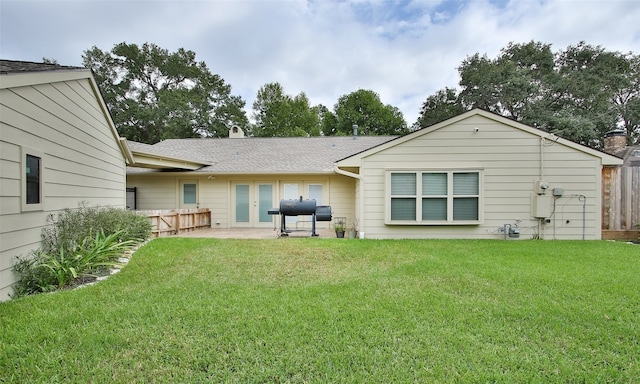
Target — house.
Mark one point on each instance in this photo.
(239, 178)
(477, 175)
(58, 147)
(480, 175)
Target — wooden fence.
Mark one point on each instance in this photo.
(176, 221)
(620, 202)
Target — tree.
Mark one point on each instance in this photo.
(443, 105)
(47, 60)
(154, 95)
(277, 114)
(626, 101)
(584, 93)
(578, 93)
(510, 85)
(364, 109)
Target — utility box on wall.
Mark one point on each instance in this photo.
(541, 206)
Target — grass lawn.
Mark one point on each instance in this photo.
(335, 310)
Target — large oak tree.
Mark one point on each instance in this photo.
(578, 93)
(154, 94)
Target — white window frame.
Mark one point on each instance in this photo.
(419, 196)
(24, 152)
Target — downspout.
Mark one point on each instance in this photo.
(360, 179)
(540, 220)
(542, 158)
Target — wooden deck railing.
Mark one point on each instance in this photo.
(176, 221)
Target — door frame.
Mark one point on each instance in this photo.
(254, 203)
(181, 203)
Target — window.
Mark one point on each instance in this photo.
(189, 193)
(434, 197)
(188, 197)
(32, 170)
(33, 179)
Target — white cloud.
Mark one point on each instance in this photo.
(405, 50)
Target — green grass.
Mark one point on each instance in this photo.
(329, 310)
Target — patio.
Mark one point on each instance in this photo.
(252, 233)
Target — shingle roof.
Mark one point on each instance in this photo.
(255, 155)
(631, 156)
(13, 66)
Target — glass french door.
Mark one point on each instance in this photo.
(251, 203)
(309, 191)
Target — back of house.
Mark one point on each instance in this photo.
(58, 148)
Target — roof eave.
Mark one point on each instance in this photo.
(26, 78)
(355, 160)
(150, 160)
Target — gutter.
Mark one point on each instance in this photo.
(361, 198)
(126, 150)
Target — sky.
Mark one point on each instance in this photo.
(404, 51)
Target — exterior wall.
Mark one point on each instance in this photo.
(62, 123)
(161, 191)
(510, 163)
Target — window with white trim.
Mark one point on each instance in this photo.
(32, 180)
(434, 197)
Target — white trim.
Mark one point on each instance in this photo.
(24, 152)
(355, 159)
(418, 197)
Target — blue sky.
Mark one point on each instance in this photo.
(403, 50)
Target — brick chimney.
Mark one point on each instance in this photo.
(615, 141)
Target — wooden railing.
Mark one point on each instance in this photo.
(176, 221)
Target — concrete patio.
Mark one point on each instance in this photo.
(253, 233)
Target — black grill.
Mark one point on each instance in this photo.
(301, 208)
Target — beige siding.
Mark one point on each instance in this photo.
(161, 191)
(510, 161)
(81, 160)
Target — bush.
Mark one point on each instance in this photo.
(92, 255)
(33, 278)
(72, 226)
(79, 244)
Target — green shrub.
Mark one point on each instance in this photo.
(94, 254)
(72, 226)
(79, 244)
(33, 278)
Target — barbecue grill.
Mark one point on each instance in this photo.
(300, 207)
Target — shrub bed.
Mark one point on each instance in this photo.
(79, 244)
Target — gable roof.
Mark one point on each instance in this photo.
(354, 160)
(262, 155)
(631, 156)
(25, 73)
(14, 66)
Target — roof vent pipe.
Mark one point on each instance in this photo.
(355, 131)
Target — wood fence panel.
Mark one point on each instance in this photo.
(176, 221)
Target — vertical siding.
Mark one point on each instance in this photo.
(81, 161)
(510, 161)
(610, 198)
(629, 197)
(621, 198)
